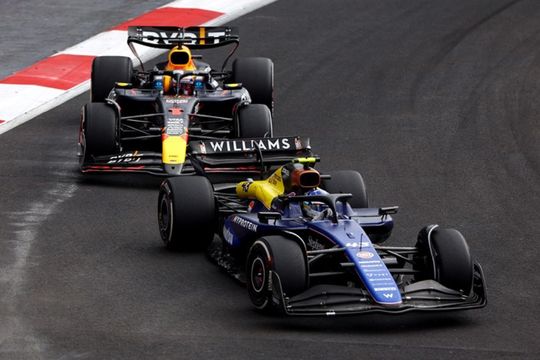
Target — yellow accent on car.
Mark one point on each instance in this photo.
(263, 190)
(174, 149)
(202, 35)
(305, 160)
(167, 80)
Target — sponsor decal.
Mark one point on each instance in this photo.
(245, 224)
(298, 143)
(229, 237)
(246, 185)
(274, 179)
(364, 255)
(357, 244)
(370, 265)
(124, 158)
(175, 126)
(247, 145)
(378, 274)
(177, 101)
(165, 37)
(314, 244)
(388, 296)
(393, 288)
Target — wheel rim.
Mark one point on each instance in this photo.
(165, 212)
(258, 275)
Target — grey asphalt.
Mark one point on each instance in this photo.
(435, 102)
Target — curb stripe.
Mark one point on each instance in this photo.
(62, 71)
(170, 16)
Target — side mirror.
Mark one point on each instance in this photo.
(388, 210)
(264, 216)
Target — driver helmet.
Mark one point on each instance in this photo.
(187, 86)
(312, 209)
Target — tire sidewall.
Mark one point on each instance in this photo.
(260, 295)
(165, 213)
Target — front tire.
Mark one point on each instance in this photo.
(448, 259)
(186, 213)
(254, 121)
(100, 123)
(275, 254)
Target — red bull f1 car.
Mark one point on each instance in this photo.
(308, 244)
(142, 121)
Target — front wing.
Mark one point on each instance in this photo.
(427, 295)
(224, 156)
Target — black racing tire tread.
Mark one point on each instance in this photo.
(348, 181)
(453, 261)
(254, 121)
(193, 213)
(256, 75)
(106, 71)
(100, 129)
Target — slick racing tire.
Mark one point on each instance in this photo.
(281, 256)
(256, 75)
(100, 122)
(448, 259)
(106, 71)
(347, 181)
(254, 121)
(186, 213)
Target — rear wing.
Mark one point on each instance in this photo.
(243, 154)
(195, 37)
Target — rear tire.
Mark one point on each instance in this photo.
(106, 71)
(449, 260)
(100, 129)
(256, 75)
(254, 121)
(282, 256)
(348, 181)
(186, 213)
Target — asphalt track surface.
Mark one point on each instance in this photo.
(435, 102)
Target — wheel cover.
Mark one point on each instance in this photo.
(258, 275)
(165, 216)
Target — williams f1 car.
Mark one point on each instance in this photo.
(141, 121)
(308, 244)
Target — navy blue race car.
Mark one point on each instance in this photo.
(308, 244)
